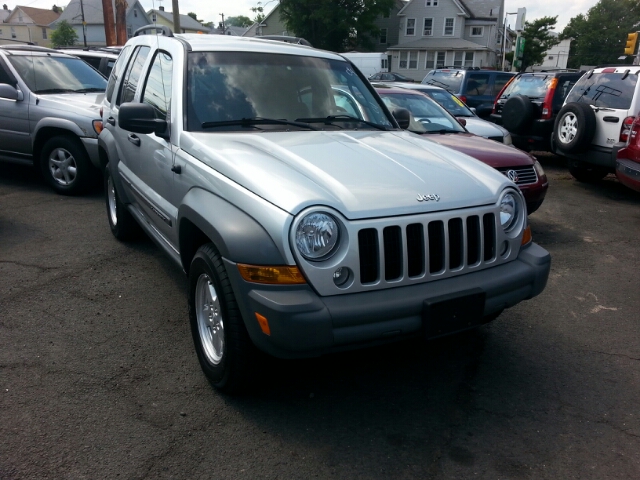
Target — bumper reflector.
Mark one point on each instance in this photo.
(264, 324)
(280, 275)
(526, 236)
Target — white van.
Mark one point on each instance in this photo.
(369, 63)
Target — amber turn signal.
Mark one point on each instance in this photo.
(526, 236)
(280, 275)
(264, 324)
(97, 126)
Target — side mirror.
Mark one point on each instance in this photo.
(9, 92)
(403, 117)
(141, 118)
(462, 121)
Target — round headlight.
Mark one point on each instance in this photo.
(317, 236)
(508, 211)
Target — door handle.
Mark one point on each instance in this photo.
(611, 119)
(111, 121)
(176, 169)
(134, 139)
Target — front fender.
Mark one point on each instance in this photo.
(63, 124)
(238, 237)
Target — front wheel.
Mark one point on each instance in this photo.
(225, 351)
(65, 165)
(122, 224)
(587, 173)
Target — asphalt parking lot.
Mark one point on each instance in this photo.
(98, 377)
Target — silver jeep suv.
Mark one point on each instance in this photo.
(303, 230)
(50, 114)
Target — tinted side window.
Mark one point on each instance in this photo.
(117, 71)
(609, 90)
(477, 84)
(564, 86)
(4, 76)
(93, 61)
(157, 90)
(132, 76)
(500, 81)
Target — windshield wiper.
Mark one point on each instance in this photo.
(252, 122)
(89, 90)
(342, 118)
(55, 90)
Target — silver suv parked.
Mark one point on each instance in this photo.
(303, 230)
(596, 119)
(49, 114)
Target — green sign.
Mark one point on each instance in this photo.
(520, 47)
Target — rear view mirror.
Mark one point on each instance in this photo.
(9, 92)
(462, 121)
(403, 117)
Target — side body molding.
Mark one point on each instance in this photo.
(237, 236)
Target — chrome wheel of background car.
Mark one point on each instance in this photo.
(111, 202)
(568, 128)
(62, 166)
(210, 321)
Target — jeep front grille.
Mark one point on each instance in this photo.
(430, 248)
(526, 175)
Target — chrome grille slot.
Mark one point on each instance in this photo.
(436, 247)
(489, 236)
(415, 249)
(368, 244)
(474, 241)
(526, 175)
(392, 253)
(456, 243)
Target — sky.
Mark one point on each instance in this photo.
(211, 9)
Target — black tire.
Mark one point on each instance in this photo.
(583, 172)
(574, 127)
(121, 222)
(517, 114)
(65, 165)
(225, 351)
(533, 206)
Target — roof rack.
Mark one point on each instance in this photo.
(166, 31)
(285, 38)
(29, 48)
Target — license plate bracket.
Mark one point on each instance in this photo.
(454, 312)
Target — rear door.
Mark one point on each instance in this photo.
(610, 93)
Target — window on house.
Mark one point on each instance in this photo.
(550, 57)
(13, 32)
(383, 35)
(20, 18)
(404, 56)
(440, 59)
(411, 26)
(463, 59)
(154, 18)
(44, 33)
(431, 3)
(477, 31)
(428, 27)
(468, 59)
(413, 60)
(430, 60)
(448, 26)
(129, 31)
(0, 31)
(135, 12)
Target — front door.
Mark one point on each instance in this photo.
(15, 139)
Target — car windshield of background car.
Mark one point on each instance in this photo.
(452, 103)
(449, 80)
(227, 87)
(605, 90)
(431, 116)
(529, 85)
(46, 74)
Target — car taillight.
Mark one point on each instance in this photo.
(633, 133)
(463, 98)
(495, 100)
(626, 129)
(547, 105)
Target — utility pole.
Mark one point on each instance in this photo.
(84, 25)
(121, 22)
(176, 17)
(109, 24)
(222, 24)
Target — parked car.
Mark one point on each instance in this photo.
(432, 120)
(476, 88)
(390, 77)
(50, 115)
(458, 109)
(303, 230)
(102, 59)
(528, 106)
(628, 161)
(595, 121)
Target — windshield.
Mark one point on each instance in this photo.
(452, 103)
(449, 80)
(47, 74)
(532, 86)
(426, 115)
(605, 90)
(225, 89)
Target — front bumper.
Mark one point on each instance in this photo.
(628, 173)
(304, 324)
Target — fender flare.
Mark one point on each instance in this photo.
(62, 124)
(237, 236)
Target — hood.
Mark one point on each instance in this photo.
(362, 174)
(494, 154)
(483, 128)
(85, 104)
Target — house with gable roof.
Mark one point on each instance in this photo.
(187, 24)
(94, 20)
(27, 24)
(455, 33)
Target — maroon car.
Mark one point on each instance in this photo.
(628, 161)
(429, 118)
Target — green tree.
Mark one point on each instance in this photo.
(538, 39)
(64, 35)
(335, 25)
(194, 16)
(259, 11)
(239, 21)
(599, 36)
